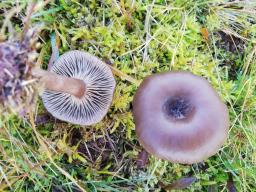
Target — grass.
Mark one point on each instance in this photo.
(214, 39)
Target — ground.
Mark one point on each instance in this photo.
(214, 39)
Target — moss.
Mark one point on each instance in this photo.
(137, 38)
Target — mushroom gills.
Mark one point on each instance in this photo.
(91, 87)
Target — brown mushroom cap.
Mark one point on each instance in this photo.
(179, 117)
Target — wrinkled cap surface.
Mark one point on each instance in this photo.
(179, 117)
(100, 85)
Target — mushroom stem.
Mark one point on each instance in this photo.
(58, 83)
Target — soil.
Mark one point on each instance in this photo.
(107, 150)
(233, 45)
(46, 117)
(229, 42)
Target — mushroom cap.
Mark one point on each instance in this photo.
(100, 85)
(179, 117)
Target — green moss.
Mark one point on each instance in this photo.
(138, 38)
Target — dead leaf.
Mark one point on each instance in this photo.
(180, 184)
(142, 159)
(205, 34)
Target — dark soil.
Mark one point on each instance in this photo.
(229, 42)
(234, 47)
(107, 150)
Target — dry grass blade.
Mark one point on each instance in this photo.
(48, 153)
(30, 10)
(249, 60)
(124, 76)
(5, 177)
(13, 11)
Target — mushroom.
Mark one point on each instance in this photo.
(179, 117)
(78, 88)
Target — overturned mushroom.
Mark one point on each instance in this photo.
(78, 88)
(179, 117)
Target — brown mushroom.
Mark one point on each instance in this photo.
(78, 88)
(179, 117)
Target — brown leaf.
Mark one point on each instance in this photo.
(180, 184)
(142, 159)
(205, 34)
